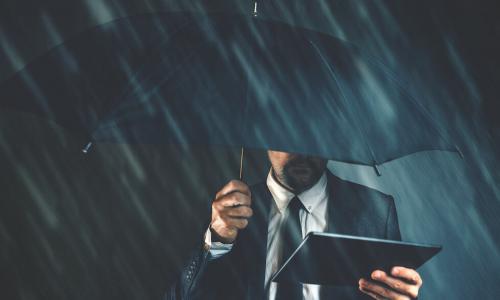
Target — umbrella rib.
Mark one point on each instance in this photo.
(334, 76)
(124, 110)
(418, 105)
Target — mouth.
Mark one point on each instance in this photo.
(302, 164)
(301, 170)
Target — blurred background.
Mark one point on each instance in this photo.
(118, 222)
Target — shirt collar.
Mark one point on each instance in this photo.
(310, 198)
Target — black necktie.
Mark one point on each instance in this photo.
(291, 236)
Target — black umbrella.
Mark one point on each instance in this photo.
(239, 81)
(226, 80)
(78, 82)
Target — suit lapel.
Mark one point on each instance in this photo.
(334, 215)
(340, 219)
(254, 242)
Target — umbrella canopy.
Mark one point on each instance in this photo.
(80, 81)
(239, 81)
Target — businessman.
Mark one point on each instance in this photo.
(253, 229)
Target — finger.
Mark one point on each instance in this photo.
(381, 291)
(395, 283)
(408, 274)
(236, 199)
(232, 186)
(238, 223)
(238, 212)
(233, 199)
(226, 234)
(374, 296)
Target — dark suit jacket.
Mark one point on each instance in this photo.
(352, 209)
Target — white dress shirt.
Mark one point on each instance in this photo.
(312, 218)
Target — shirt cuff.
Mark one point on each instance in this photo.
(216, 249)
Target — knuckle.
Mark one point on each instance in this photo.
(244, 199)
(229, 200)
(242, 211)
(239, 198)
(219, 198)
(414, 293)
(236, 196)
(216, 206)
(249, 211)
(232, 183)
(230, 196)
(385, 292)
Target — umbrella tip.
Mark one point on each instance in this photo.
(377, 171)
(254, 9)
(87, 147)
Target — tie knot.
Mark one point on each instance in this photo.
(295, 204)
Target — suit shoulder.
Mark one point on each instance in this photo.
(370, 190)
(365, 192)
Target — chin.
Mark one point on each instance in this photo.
(303, 182)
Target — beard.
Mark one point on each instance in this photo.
(302, 172)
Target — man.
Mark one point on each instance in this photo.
(248, 237)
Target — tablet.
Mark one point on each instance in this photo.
(336, 259)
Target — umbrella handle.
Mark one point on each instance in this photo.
(241, 163)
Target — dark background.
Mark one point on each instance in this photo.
(118, 223)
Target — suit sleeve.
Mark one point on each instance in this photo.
(189, 275)
(217, 249)
(392, 225)
(201, 276)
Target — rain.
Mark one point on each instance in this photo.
(119, 220)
